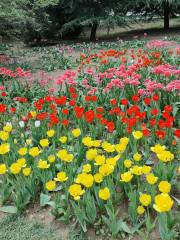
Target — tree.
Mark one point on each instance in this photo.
(151, 8)
(10, 17)
(54, 19)
(169, 8)
(91, 13)
(166, 14)
(19, 17)
(44, 19)
(166, 8)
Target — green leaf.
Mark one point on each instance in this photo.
(90, 208)
(176, 108)
(125, 227)
(51, 203)
(114, 225)
(80, 215)
(8, 209)
(44, 199)
(165, 232)
(106, 221)
(136, 227)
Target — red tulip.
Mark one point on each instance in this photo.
(177, 133)
(124, 102)
(155, 98)
(147, 101)
(160, 133)
(65, 122)
(89, 116)
(2, 108)
(135, 98)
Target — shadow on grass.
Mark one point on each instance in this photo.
(153, 29)
(151, 32)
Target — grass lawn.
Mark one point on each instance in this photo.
(153, 28)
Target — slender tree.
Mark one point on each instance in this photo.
(166, 9)
(151, 8)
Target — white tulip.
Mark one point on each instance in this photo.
(21, 124)
(37, 123)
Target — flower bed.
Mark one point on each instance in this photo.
(108, 135)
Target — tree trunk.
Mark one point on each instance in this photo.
(93, 31)
(166, 14)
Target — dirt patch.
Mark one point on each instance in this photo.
(44, 216)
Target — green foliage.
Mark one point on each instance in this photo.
(148, 9)
(132, 207)
(45, 200)
(114, 224)
(5, 192)
(90, 208)
(77, 234)
(10, 18)
(41, 19)
(62, 210)
(9, 209)
(35, 92)
(52, 59)
(80, 216)
(166, 223)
